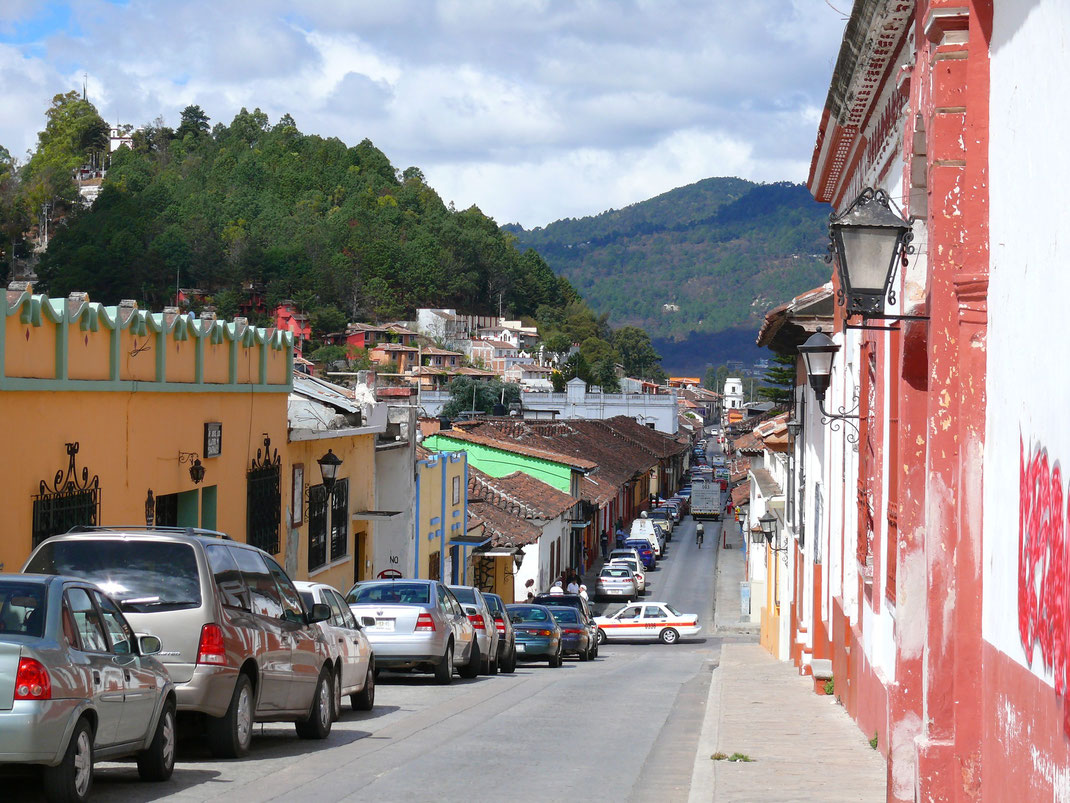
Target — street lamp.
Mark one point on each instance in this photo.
(768, 523)
(518, 557)
(794, 428)
(867, 241)
(818, 351)
(329, 464)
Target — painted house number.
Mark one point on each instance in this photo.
(213, 439)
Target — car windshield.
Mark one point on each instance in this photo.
(464, 594)
(22, 608)
(624, 562)
(406, 593)
(615, 573)
(565, 616)
(672, 610)
(528, 613)
(141, 575)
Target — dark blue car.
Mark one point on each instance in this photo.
(646, 552)
(538, 636)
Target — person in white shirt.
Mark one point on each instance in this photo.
(573, 586)
(583, 592)
(556, 588)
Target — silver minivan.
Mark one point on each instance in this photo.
(238, 641)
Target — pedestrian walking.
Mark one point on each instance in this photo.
(603, 540)
(620, 537)
(529, 588)
(573, 585)
(583, 592)
(556, 589)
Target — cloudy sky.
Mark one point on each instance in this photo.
(533, 110)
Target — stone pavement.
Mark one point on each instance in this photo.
(803, 746)
(730, 573)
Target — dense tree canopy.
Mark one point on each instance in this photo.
(307, 217)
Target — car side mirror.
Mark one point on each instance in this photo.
(367, 621)
(148, 645)
(319, 613)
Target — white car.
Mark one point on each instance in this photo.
(351, 654)
(635, 566)
(647, 620)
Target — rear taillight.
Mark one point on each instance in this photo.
(500, 623)
(32, 681)
(572, 630)
(477, 621)
(424, 622)
(544, 632)
(211, 649)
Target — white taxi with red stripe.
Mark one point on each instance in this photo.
(647, 620)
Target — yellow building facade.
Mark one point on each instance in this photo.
(441, 516)
(119, 417)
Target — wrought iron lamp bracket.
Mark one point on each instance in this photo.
(835, 421)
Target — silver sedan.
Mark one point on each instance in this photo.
(77, 685)
(419, 624)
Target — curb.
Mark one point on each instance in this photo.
(704, 770)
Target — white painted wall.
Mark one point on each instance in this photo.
(1027, 384)
(395, 489)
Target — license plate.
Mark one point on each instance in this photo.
(384, 625)
(519, 647)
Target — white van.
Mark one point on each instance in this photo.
(645, 529)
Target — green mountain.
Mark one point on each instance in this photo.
(697, 267)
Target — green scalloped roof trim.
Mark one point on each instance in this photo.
(34, 308)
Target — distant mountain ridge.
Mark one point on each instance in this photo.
(696, 265)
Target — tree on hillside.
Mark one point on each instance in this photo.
(471, 394)
(13, 215)
(636, 352)
(780, 378)
(715, 378)
(194, 121)
(74, 135)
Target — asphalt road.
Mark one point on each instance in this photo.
(623, 727)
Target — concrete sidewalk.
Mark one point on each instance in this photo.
(731, 571)
(802, 746)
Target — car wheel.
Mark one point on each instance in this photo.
(669, 636)
(601, 636)
(471, 669)
(444, 670)
(230, 735)
(585, 654)
(557, 660)
(493, 670)
(317, 725)
(365, 699)
(158, 762)
(72, 779)
(336, 712)
(509, 664)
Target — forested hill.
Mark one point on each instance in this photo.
(337, 228)
(695, 264)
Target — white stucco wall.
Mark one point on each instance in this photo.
(395, 489)
(1027, 384)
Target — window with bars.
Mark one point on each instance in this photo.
(340, 520)
(264, 504)
(317, 527)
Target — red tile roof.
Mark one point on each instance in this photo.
(520, 493)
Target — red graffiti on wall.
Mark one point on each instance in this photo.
(1044, 568)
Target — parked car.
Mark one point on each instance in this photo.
(419, 625)
(577, 602)
(616, 582)
(482, 619)
(645, 551)
(643, 528)
(240, 645)
(78, 686)
(507, 639)
(627, 552)
(538, 636)
(648, 620)
(575, 637)
(350, 650)
(633, 564)
(663, 514)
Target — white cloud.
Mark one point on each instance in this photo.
(532, 109)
